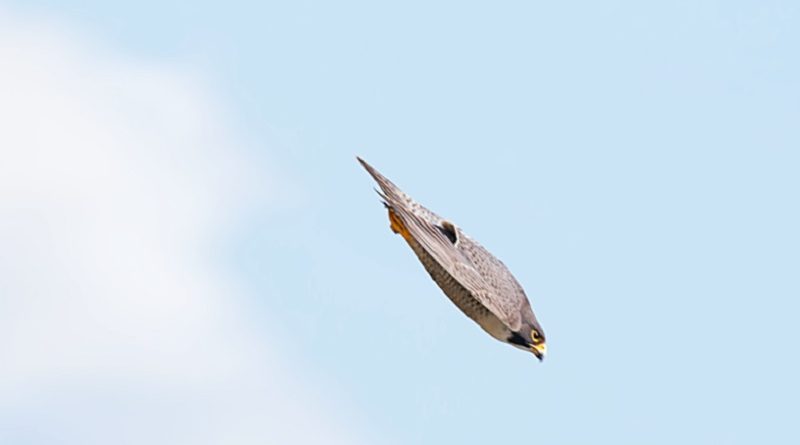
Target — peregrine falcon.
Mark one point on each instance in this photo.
(479, 284)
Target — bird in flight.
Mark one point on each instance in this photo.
(479, 284)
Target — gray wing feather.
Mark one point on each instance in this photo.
(498, 277)
(458, 265)
(392, 194)
(467, 262)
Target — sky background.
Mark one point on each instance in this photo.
(189, 252)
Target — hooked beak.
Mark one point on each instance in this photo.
(539, 350)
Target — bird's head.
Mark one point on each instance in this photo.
(530, 338)
(537, 345)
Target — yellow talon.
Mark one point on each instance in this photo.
(397, 225)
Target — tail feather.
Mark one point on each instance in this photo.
(391, 193)
(394, 197)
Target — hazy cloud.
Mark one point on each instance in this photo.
(115, 324)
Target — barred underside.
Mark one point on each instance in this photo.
(459, 295)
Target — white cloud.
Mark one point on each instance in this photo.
(115, 324)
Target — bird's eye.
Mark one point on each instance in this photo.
(535, 335)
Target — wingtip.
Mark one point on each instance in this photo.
(390, 192)
(370, 169)
(381, 194)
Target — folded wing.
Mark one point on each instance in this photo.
(431, 233)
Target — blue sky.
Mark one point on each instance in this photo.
(634, 164)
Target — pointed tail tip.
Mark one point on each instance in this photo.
(366, 165)
(362, 161)
(388, 191)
